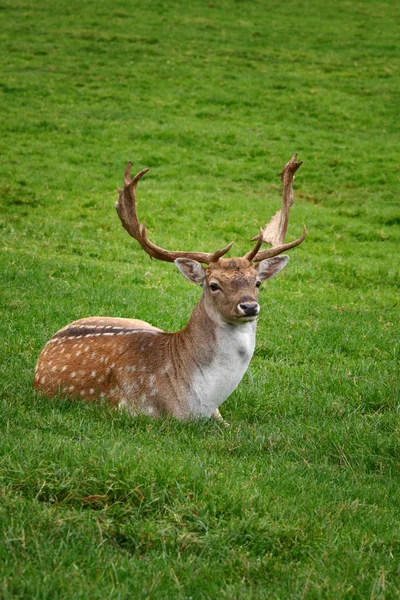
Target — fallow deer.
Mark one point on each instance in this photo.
(187, 374)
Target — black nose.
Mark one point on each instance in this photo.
(250, 309)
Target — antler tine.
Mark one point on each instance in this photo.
(126, 209)
(274, 231)
(127, 173)
(253, 253)
(126, 205)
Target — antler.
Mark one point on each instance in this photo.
(274, 232)
(126, 209)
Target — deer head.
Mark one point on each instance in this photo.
(230, 285)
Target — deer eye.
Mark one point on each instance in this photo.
(258, 284)
(214, 287)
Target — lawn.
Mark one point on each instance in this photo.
(299, 497)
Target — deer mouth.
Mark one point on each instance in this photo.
(246, 318)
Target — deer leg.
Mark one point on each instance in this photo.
(216, 415)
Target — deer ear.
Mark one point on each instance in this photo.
(191, 269)
(270, 267)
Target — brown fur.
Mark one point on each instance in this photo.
(120, 360)
(131, 363)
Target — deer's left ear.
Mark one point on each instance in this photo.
(191, 269)
(270, 267)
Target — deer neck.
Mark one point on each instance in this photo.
(216, 355)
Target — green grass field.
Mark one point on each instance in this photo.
(299, 498)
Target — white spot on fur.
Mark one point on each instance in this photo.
(166, 368)
(73, 374)
(93, 374)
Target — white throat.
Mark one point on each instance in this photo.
(214, 383)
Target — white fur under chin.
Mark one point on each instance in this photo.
(213, 384)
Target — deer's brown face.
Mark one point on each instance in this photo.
(231, 284)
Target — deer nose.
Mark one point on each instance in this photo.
(250, 308)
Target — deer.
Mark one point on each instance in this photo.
(187, 374)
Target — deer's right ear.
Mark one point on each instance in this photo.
(192, 270)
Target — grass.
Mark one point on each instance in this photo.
(299, 497)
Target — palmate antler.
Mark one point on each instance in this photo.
(274, 232)
(126, 209)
